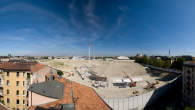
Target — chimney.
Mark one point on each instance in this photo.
(51, 77)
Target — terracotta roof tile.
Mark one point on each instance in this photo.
(16, 66)
(37, 67)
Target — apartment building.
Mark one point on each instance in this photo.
(188, 77)
(15, 78)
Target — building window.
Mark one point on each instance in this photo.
(7, 73)
(8, 83)
(27, 95)
(17, 92)
(23, 102)
(17, 83)
(7, 91)
(17, 74)
(28, 75)
(17, 101)
(0, 82)
(8, 100)
(23, 92)
(23, 83)
(27, 103)
(23, 74)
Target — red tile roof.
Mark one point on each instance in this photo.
(16, 66)
(21, 66)
(3, 107)
(37, 67)
(85, 98)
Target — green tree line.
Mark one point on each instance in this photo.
(177, 64)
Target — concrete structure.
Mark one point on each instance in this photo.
(122, 58)
(141, 101)
(188, 76)
(139, 55)
(39, 71)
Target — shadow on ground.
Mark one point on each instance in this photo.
(164, 76)
(166, 97)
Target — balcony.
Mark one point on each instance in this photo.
(1, 92)
(1, 84)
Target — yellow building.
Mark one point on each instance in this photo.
(16, 78)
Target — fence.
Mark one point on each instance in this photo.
(143, 100)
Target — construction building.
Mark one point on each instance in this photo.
(188, 76)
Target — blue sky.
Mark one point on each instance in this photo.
(113, 27)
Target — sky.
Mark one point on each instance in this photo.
(112, 27)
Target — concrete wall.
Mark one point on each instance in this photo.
(39, 99)
(39, 76)
(141, 101)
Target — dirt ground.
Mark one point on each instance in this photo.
(112, 70)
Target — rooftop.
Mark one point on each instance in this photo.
(189, 63)
(16, 66)
(82, 97)
(52, 88)
(21, 66)
(37, 67)
(3, 107)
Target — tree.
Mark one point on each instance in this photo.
(158, 63)
(167, 64)
(189, 108)
(59, 72)
(178, 64)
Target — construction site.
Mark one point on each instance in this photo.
(116, 78)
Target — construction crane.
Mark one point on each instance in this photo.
(132, 84)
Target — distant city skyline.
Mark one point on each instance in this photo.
(112, 27)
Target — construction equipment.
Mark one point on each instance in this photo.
(150, 85)
(136, 92)
(132, 84)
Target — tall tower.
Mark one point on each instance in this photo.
(89, 46)
(169, 53)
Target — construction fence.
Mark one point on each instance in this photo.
(143, 100)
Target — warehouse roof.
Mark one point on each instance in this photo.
(52, 88)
